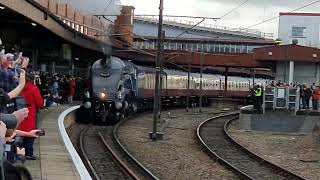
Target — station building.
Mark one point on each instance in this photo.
(220, 47)
(292, 63)
(297, 59)
(301, 26)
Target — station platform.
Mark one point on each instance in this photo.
(53, 161)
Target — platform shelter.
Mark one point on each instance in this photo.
(292, 63)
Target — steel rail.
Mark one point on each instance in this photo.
(84, 154)
(277, 169)
(147, 173)
(214, 154)
(226, 126)
(118, 160)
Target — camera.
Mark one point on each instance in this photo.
(41, 133)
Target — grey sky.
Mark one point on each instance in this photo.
(252, 12)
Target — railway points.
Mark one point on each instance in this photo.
(297, 153)
(215, 137)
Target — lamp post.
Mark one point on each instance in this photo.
(154, 135)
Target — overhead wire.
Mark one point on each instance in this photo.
(232, 10)
(108, 6)
(188, 29)
(270, 19)
(140, 50)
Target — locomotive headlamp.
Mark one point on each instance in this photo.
(103, 96)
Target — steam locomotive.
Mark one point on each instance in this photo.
(119, 87)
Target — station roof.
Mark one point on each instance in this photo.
(298, 14)
(287, 53)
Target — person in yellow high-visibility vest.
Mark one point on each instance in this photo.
(258, 97)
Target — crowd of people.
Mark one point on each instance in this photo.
(23, 93)
(309, 94)
(59, 89)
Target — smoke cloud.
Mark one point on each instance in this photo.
(91, 7)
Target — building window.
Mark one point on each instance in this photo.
(222, 47)
(298, 32)
(166, 46)
(250, 49)
(238, 48)
(194, 47)
(152, 45)
(216, 48)
(199, 48)
(135, 44)
(188, 46)
(244, 48)
(227, 48)
(211, 47)
(179, 46)
(172, 46)
(184, 46)
(206, 47)
(146, 45)
(233, 48)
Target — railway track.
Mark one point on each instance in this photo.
(107, 158)
(215, 138)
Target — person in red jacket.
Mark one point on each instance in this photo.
(33, 99)
(72, 84)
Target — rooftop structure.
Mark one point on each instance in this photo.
(205, 27)
(301, 26)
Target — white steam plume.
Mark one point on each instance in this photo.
(91, 7)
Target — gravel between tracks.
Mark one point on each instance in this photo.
(179, 155)
(297, 153)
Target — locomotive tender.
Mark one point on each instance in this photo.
(119, 87)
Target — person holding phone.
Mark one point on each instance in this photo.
(34, 100)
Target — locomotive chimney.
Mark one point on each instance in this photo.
(106, 57)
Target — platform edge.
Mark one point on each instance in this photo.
(82, 170)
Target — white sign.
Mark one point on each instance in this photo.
(281, 93)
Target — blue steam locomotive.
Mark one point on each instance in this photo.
(112, 92)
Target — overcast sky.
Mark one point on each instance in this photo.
(253, 12)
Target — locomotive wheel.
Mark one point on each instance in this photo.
(134, 107)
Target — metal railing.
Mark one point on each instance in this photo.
(281, 98)
(208, 26)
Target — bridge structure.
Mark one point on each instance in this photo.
(54, 34)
